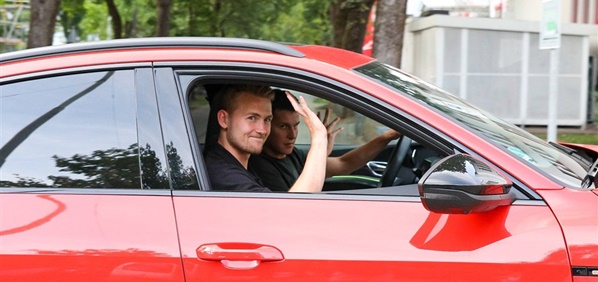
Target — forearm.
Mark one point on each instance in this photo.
(357, 157)
(314, 172)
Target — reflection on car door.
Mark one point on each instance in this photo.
(72, 207)
(371, 239)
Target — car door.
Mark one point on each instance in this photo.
(84, 195)
(388, 236)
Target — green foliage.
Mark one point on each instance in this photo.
(95, 20)
(71, 14)
(282, 20)
(306, 22)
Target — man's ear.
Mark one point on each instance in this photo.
(223, 118)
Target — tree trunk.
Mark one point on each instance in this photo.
(349, 19)
(164, 17)
(42, 22)
(388, 31)
(131, 26)
(117, 26)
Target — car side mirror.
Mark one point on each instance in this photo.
(462, 184)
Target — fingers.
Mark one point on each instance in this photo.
(332, 124)
(296, 106)
(305, 109)
(302, 108)
(336, 131)
(326, 116)
(392, 134)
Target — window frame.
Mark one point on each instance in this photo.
(149, 133)
(319, 86)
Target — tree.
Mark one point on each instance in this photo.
(163, 26)
(305, 21)
(388, 31)
(349, 19)
(227, 18)
(42, 22)
(71, 14)
(117, 25)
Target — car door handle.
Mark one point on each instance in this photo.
(239, 255)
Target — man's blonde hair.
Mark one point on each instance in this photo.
(227, 96)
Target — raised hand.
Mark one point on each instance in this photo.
(330, 129)
(316, 128)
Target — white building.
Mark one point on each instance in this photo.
(496, 62)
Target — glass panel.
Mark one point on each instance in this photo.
(524, 145)
(357, 129)
(178, 150)
(70, 131)
(502, 98)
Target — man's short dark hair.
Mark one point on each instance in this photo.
(281, 102)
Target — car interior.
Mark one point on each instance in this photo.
(395, 171)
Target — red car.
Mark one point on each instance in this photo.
(103, 178)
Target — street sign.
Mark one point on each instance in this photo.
(550, 25)
(550, 38)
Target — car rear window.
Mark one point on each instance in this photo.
(71, 131)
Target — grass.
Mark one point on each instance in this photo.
(574, 138)
(581, 138)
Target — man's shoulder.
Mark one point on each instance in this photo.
(226, 173)
(298, 156)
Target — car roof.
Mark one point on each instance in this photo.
(335, 56)
(154, 42)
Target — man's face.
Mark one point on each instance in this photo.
(283, 134)
(248, 125)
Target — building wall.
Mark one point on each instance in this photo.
(497, 64)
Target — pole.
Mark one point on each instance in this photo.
(553, 95)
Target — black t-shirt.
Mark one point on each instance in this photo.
(278, 174)
(227, 174)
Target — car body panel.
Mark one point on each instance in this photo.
(339, 58)
(149, 235)
(591, 147)
(579, 222)
(65, 237)
(350, 240)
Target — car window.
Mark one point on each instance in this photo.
(358, 129)
(71, 131)
(528, 148)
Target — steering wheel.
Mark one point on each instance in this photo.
(395, 161)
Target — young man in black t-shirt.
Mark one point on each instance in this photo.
(280, 163)
(244, 114)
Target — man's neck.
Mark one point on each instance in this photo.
(273, 154)
(242, 157)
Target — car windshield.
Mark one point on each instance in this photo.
(527, 147)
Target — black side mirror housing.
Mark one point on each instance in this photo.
(462, 184)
